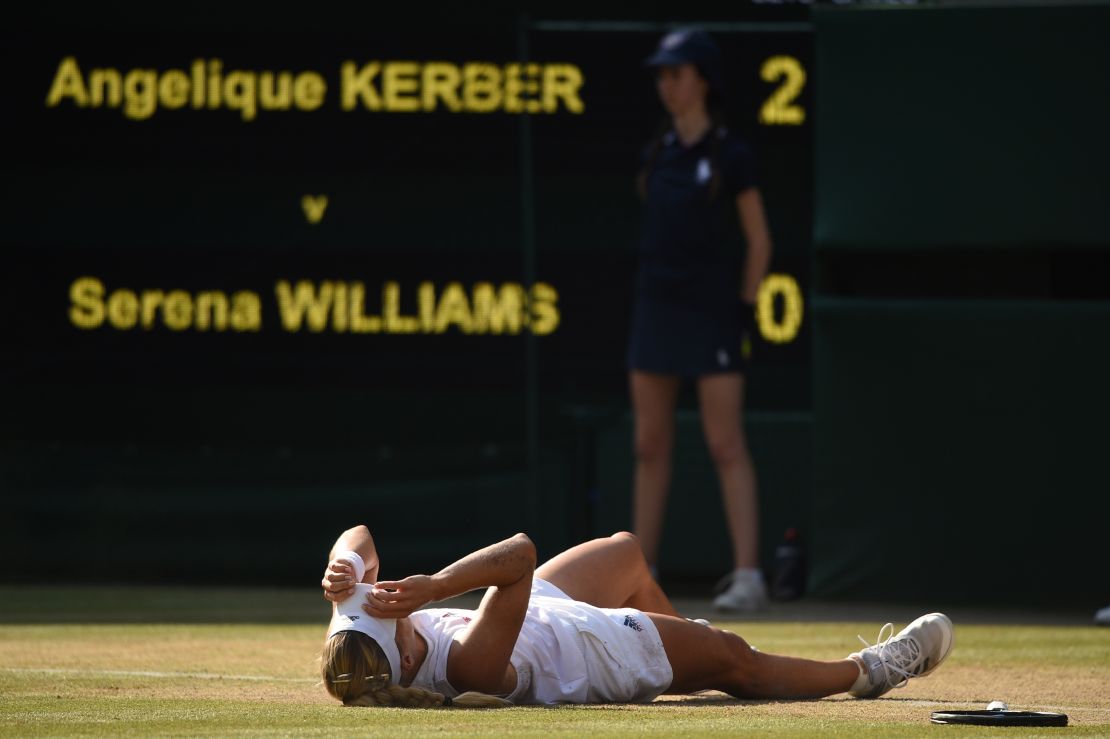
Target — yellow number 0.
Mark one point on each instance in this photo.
(780, 109)
(784, 330)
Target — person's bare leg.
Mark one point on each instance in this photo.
(708, 658)
(653, 404)
(608, 573)
(721, 399)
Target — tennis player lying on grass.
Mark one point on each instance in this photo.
(588, 626)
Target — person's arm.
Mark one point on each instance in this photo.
(340, 575)
(753, 221)
(479, 658)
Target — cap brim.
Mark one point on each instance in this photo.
(665, 58)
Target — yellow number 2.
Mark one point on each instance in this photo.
(780, 109)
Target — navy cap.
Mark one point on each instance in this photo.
(690, 46)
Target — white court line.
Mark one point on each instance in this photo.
(148, 673)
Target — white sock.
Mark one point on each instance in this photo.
(864, 679)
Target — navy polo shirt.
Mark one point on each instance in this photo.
(690, 242)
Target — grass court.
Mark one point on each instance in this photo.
(222, 662)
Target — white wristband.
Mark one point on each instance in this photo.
(356, 561)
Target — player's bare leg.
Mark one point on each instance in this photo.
(708, 658)
(608, 573)
(653, 402)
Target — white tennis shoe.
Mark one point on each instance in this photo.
(915, 651)
(741, 592)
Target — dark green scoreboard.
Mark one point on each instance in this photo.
(274, 262)
(360, 196)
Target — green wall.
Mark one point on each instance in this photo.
(962, 338)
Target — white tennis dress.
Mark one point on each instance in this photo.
(567, 652)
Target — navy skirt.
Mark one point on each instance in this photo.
(690, 338)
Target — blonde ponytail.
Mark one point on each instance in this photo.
(356, 671)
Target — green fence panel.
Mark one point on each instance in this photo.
(961, 303)
(964, 460)
(969, 125)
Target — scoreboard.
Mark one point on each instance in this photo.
(255, 262)
(356, 233)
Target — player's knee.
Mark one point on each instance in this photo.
(626, 537)
(629, 543)
(631, 552)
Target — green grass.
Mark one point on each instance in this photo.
(102, 662)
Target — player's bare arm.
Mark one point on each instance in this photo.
(341, 574)
(479, 658)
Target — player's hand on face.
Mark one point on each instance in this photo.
(338, 581)
(399, 598)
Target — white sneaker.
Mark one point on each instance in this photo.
(741, 592)
(915, 651)
(1102, 616)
